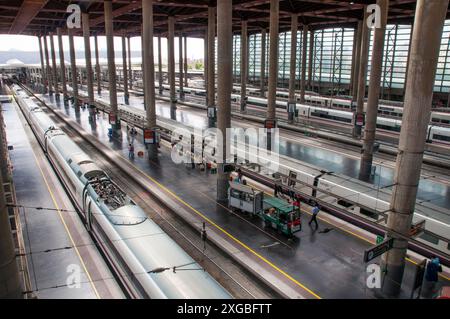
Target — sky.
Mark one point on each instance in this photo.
(30, 44)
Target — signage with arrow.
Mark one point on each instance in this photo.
(378, 250)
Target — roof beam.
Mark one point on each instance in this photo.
(27, 12)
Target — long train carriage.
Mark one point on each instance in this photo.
(133, 243)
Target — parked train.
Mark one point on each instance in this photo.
(338, 191)
(144, 257)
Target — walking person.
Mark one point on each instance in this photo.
(131, 151)
(431, 277)
(315, 212)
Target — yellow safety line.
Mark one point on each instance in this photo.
(229, 235)
(67, 229)
(348, 231)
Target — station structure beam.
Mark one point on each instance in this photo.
(180, 66)
(149, 73)
(224, 88)
(171, 66)
(205, 59)
(54, 72)
(43, 75)
(48, 70)
(211, 76)
(362, 74)
(87, 57)
(126, 95)
(311, 59)
(62, 65)
(426, 40)
(114, 115)
(244, 64)
(262, 74)
(73, 71)
(97, 66)
(292, 66)
(374, 92)
(304, 53)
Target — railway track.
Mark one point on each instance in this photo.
(233, 277)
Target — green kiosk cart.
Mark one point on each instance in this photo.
(275, 212)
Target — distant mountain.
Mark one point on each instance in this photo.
(33, 57)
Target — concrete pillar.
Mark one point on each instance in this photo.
(130, 70)
(111, 67)
(304, 53)
(185, 62)
(180, 67)
(292, 64)
(54, 73)
(89, 73)
(311, 60)
(211, 63)
(362, 74)
(428, 26)
(43, 73)
(273, 59)
(160, 74)
(125, 71)
(149, 71)
(73, 71)
(97, 67)
(224, 87)
(262, 74)
(244, 64)
(357, 59)
(171, 65)
(205, 59)
(374, 92)
(10, 287)
(62, 64)
(48, 71)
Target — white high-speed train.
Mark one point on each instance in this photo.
(143, 256)
(332, 104)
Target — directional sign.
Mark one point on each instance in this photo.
(378, 250)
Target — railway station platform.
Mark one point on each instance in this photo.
(434, 187)
(63, 260)
(323, 263)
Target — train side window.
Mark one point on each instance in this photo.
(368, 213)
(430, 238)
(441, 137)
(344, 203)
(448, 246)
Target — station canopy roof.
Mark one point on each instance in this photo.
(38, 17)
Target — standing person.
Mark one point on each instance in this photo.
(315, 212)
(431, 277)
(278, 182)
(131, 151)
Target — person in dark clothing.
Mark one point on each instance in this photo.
(315, 212)
(431, 277)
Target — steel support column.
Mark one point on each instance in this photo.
(374, 93)
(185, 62)
(89, 73)
(357, 59)
(160, 74)
(43, 73)
(180, 67)
(130, 70)
(97, 66)
(311, 60)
